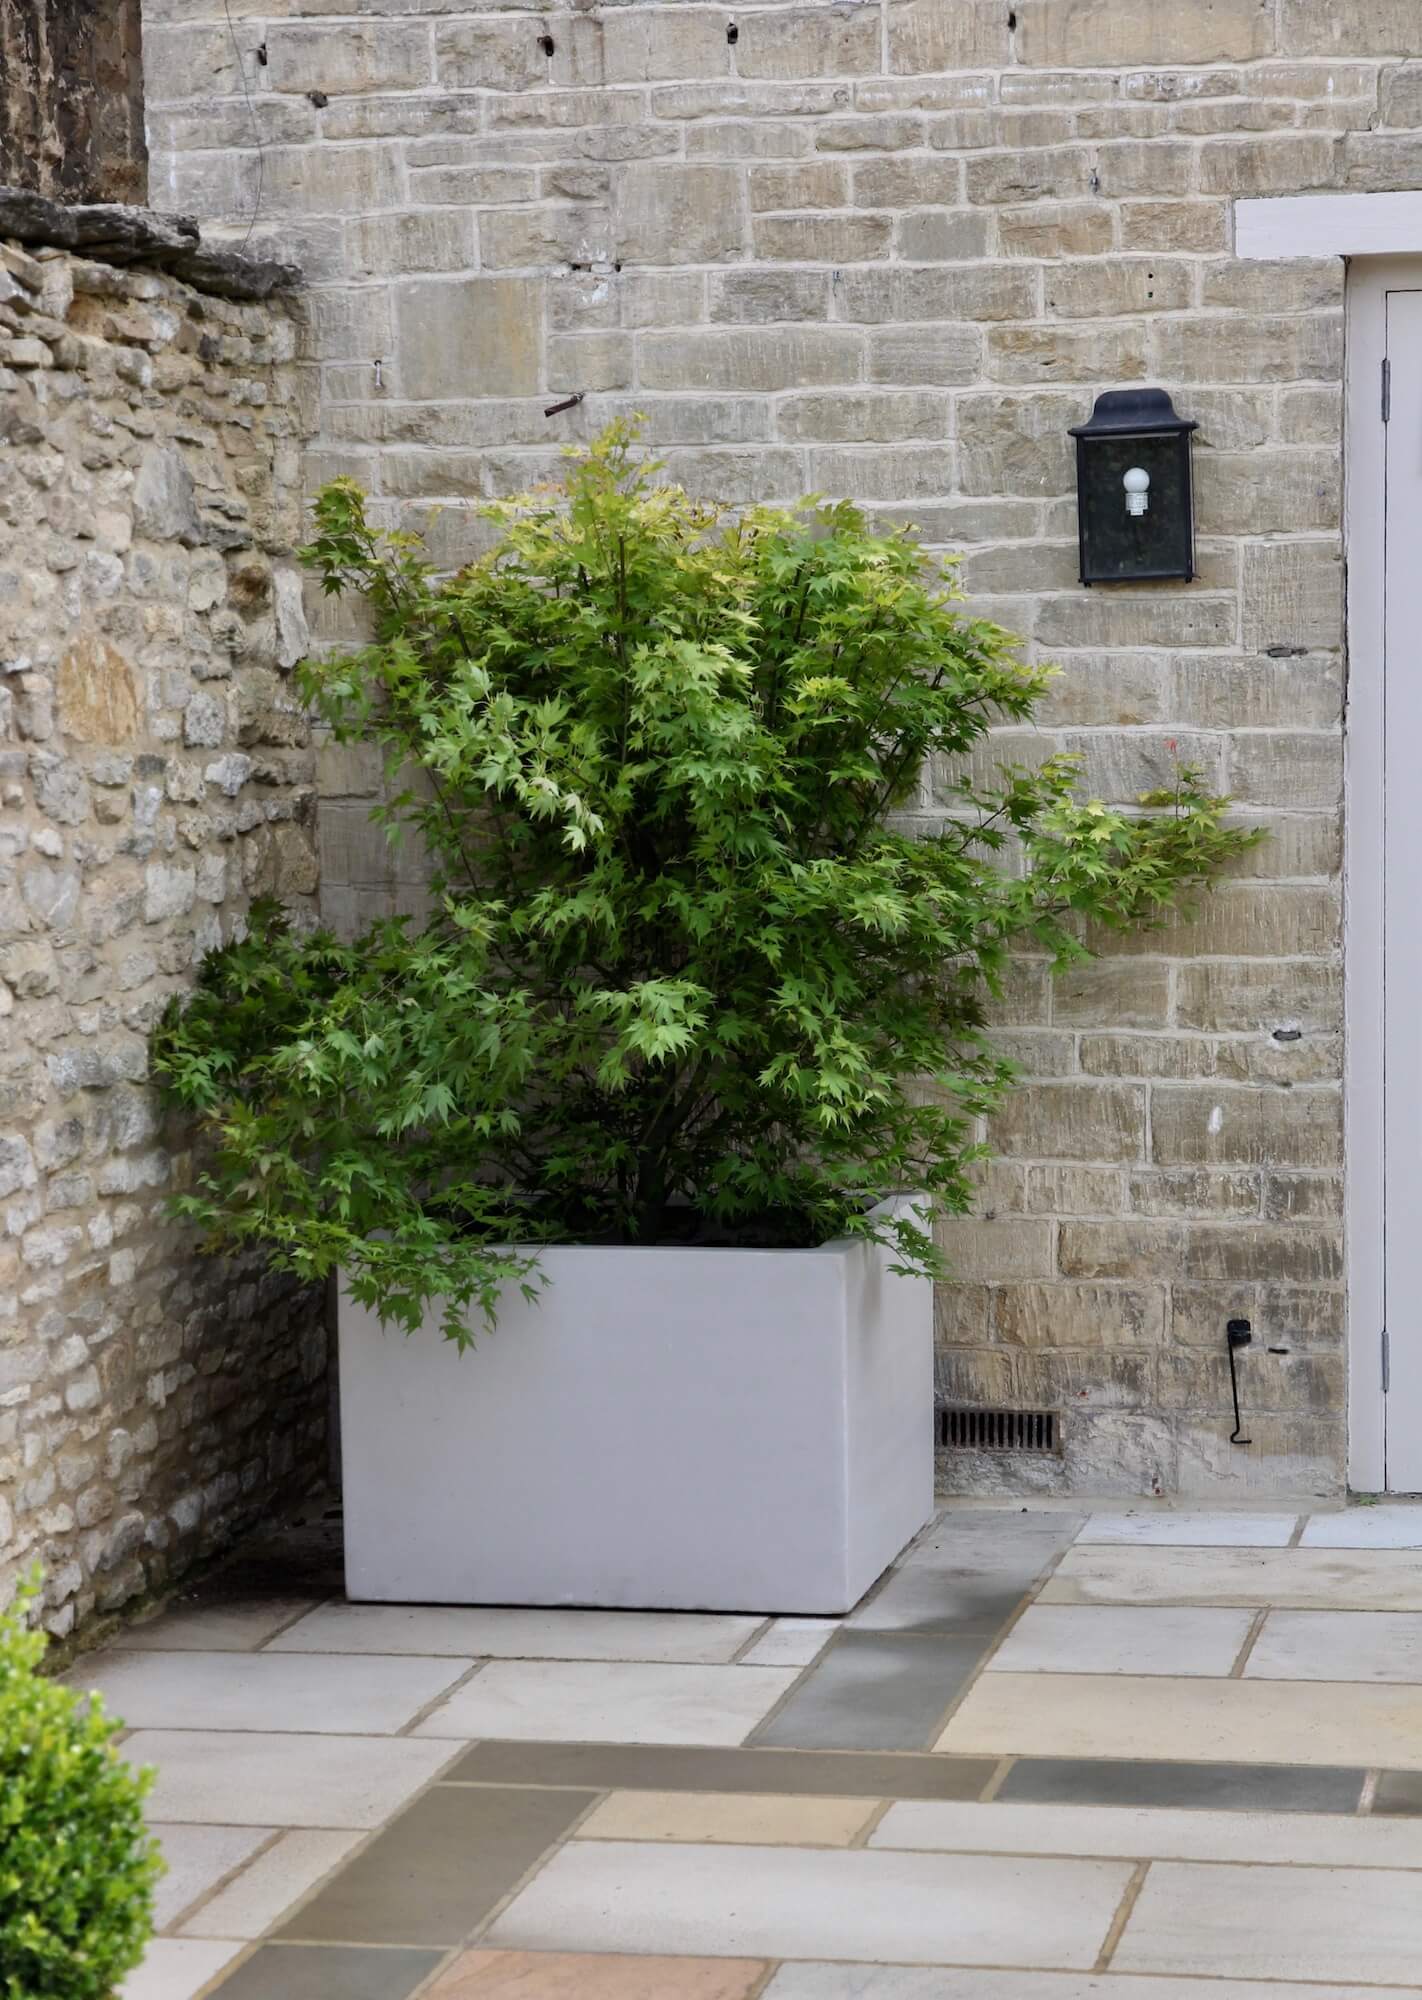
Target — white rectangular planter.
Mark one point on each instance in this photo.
(702, 1430)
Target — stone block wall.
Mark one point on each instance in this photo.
(893, 248)
(155, 774)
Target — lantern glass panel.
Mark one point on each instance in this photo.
(1117, 545)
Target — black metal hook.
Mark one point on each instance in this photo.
(1238, 1333)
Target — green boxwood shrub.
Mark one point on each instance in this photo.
(701, 964)
(76, 1866)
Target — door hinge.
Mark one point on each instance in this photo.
(1386, 1361)
(1386, 390)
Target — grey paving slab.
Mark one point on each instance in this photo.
(265, 1890)
(930, 1599)
(177, 1968)
(439, 1869)
(267, 1691)
(658, 1768)
(1149, 1528)
(1392, 1526)
(1398, 1792)
(328, 1972)
(236, 1627)
(1358, 1924)
(903, 1982)
(1152, 1833)
(784, 1902)
(1338, 1646)
(988, 1541)
(1103, 1781)
(198, 1858)
(1123, 1639)
(236, 1778)
(875, 1691)
(610, 1701)
(516, 1634)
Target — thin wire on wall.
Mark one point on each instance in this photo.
(256, 128)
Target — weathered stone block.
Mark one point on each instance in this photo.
(1057, 229)
(966, 292)
(1067, 1315)
(381, 245)
(490, 54)
(1018, 444)
(924, 35)
(1123, 286)
(1137, 166)
(762, 359)
(342, 57)
(942, 235)
(1174, 225)
(1285, 163)
(1256, 996)
(1119, 992)
(676, 214)
(802, 184)
(1014, 1247)
(753, 298)
(849, 415)
(1308, 348)
(830, 41)
(1067, 353)
(1279, 767)
(912, 182)
(1084, 34)
(821, 239)
(469, 336)
(1071, 1121)
(1251, 1127)
(1314, 28)
(1268, 492)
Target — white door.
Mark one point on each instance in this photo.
(1400, 427)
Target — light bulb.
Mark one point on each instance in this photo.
(1137, 485)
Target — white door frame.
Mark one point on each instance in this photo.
(1382, 236)
(1364, 836)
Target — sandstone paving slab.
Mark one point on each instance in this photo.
(1297, 1579)
(362, 1695)
(1397, 1526)
(610, 1702)
(198, 1858)
(693, 1768)
(1337, 1840)
(992, 1539)
(1151, 1529)
(747, 1819)
(435, 1873)
(328, 1972)
(503, 1633)
(1126, 1716)
(1338, 1646)
(1153, 1782)
(177, 1969)
(902, 1982)
(875, 1691)
(215, 1628)
(1124, 1639)
(784, 1902)
(529, 1975)
(791, 1642)
(247, 1778)
(1358, 1925)
(265, 1890)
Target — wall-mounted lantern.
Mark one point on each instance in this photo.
(1135, 508)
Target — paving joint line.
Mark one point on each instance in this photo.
(1125, 1909)
(437, 1701)
(1256, 1626)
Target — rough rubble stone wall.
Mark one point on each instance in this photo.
(71, 99)
(155, 774)
(892, 249)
